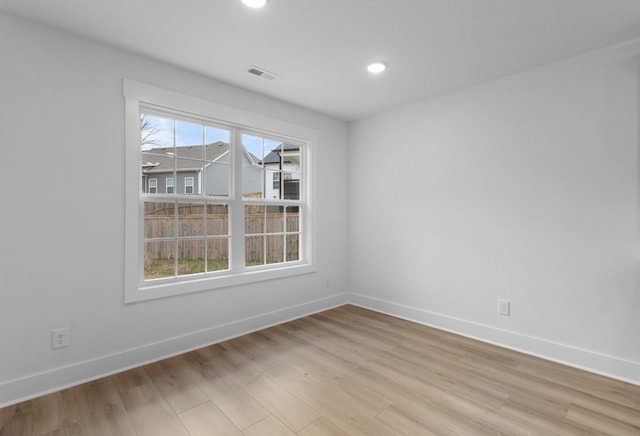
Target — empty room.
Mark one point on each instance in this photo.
(320, 217)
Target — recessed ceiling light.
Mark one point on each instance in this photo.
(255, 4)
(377, 67)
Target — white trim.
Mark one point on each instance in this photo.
(216, 280)
(145, 93)
(35, 385)
(609, 366)
(136, 289)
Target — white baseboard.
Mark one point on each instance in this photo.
(35, 385)
(598, 363)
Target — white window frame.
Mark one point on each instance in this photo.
(189, 185)
(173, 185)
(155, 185)
(136, 288)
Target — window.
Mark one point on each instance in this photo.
(222, 220)
(188, 185)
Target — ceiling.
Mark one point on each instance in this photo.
(320, 47)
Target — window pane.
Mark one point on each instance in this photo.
(252, 174)
(293, 219)
(159, 220)
(217, 179)
(190, 219)
(275, 248)
(157, 161)
(293, 248)
(252, 182)
(217, 254)
(273, 185)
(190, 256)
(189, 136)
(273, 170)
(291, 185)
(254, 146)
(217, 219)
(159, 259)
(291, 157)
(272, 150)
(253, 219)
(217, 143)
(218, 152)
(254, 250)
(275, 219)
(291, 171)
(155, 132)
(157, 164)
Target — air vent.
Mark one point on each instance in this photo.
(261, 72)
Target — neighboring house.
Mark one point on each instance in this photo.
(283, 172)
(191, 175)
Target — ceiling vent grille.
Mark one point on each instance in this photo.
(261, 72)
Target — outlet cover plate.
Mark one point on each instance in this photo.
(504, 307)
(59, 338)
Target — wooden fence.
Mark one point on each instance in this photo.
(267, 230)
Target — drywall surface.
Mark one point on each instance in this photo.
(62, 219)
(524, 189)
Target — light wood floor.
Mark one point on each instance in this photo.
(344, 372)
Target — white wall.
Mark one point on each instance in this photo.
(62, 217)
(525, 188)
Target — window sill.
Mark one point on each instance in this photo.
(159, 289)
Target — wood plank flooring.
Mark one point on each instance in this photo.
(344, 372)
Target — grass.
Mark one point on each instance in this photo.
(159, 268)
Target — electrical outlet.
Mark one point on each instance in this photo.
(504, 307)
(59, 338)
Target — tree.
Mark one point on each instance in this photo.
(150, 134)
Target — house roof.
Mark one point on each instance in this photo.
(274, 157)
(189, 158)
(161, 159)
